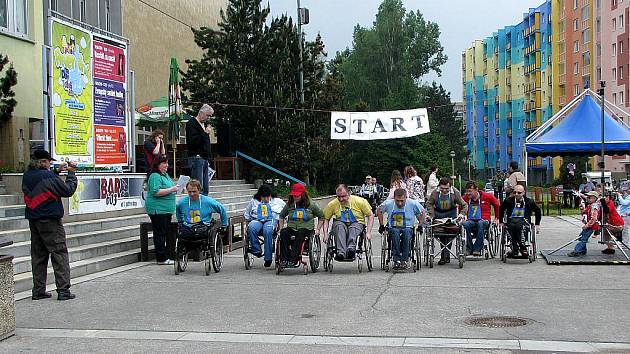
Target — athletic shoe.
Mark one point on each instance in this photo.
(576, 254)
(608, 251)
(351, 253)
(167, 262)
(267, 264)
(476, 254)
(65, 295)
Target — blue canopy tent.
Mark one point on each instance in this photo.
(579, 132)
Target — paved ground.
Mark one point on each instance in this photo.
(149, 309)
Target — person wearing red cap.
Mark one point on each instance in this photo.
(350, 212)
(301, 213)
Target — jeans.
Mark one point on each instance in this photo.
(481, 226)
(161, 225)
(199, 171)
(584, 236)
(254, 229)
(407, 234)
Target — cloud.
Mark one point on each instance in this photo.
(56, 100)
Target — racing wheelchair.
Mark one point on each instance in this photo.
(415, 255)
(528, 239)
(202, 241)
(248, 255)
(310, 247)
(363, 252)
(444, 232)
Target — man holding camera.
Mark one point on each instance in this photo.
(43, 191)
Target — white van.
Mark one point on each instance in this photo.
(596, 177)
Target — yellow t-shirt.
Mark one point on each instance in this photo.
(360, 208)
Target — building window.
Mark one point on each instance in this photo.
(576, 89)
(621, 73)
(576, 46)
(620, 97)
(576, 68)
(82, 11)
(575, 4)
(614, 24)
(614, 73)
(108, 22)
(586, 36)
(621, 47)
(614, 98)
(576, 25)
(14, 17)
(621, 24)
(614, 49)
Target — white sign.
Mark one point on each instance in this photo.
(378, 125)
(108, 192)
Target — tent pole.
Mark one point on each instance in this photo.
(602, 163)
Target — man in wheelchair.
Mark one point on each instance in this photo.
(401, 213)
(517, 209)
(443, 203)
(262, 217)
(479, 216)
(350, 212)
(194, 213)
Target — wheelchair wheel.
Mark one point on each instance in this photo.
(330, 250)
(493, 234)
(176, 264)
(503, 246)
(217, 252)
(427, 239)
(533, 243)
(206, 263)
(368, 255)
(497, 241)
(314, 253)
(246, 258)
(417, 250)
(460, 246)
(384, 259)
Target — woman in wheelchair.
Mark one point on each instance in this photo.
(196, 210)
(301, 213)
(401, 213)
(261, 215)
(517, 209)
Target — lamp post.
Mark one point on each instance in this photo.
(452, 167)
(303, 19)
(602, 163)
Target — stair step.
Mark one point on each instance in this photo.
(11, 199)
(23, 248)
(11, 210)
(24, 281)
(94, 250)
(228, 187)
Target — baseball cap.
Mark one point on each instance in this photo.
(593, 194)
(368, 177)
(43, 154)
(297, 190)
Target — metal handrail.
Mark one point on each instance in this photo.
(272, 169)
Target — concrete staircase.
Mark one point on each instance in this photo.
(100, 241)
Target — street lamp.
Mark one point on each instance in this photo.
(303, 19)
(452, 167)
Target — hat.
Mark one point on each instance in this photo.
(368, 177)
(593, 194)
(297, 190)
(42, 154)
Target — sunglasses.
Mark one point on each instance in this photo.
(518, 192)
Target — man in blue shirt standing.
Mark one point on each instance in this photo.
(401, 213)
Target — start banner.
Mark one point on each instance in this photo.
(97, 194)
(378, 125)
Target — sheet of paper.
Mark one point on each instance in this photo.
(181, 183)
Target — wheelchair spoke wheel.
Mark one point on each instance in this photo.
(206, 264)
(368, 255)
(461, 261)
(431, 261)
(503, 246)
(417, 249)
(383, 251)
(176, 263)
(314, 253)
(360, 264)
(246, 258)
(184, 261)
(217, 253)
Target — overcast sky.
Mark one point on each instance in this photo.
(460, 21)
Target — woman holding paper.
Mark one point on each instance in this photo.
(160, 205)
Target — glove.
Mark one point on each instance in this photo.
(381, 229)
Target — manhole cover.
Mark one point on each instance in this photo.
(307, 315)
(496, 321)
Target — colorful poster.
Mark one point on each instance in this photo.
(96, 194)
(111, 144)
(72, 99)
(109, 60)
(109, 103)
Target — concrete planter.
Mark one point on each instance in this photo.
(7, 298)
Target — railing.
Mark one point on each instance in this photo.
(272, 169)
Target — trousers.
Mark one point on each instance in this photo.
(346, 236)
(48, 240)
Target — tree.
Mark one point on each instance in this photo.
(7, 102)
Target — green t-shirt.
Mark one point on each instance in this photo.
(301, 218)
(160, 205)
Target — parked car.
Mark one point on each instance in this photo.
(489, 188)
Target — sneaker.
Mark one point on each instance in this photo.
(65, 295)
(576, 254)
(40, 296)
(608, 251)
(167, 262)
(396, 265)
(267, 264)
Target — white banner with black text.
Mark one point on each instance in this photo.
(378, 125)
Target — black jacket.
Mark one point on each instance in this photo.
(530, 206)
(197, 140)
(43, 191)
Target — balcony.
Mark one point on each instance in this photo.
(508, 64)
(562, 79)
(508, 46)
(509, 115)
(586, 70)
(562, 100)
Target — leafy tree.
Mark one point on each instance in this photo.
(7, 102)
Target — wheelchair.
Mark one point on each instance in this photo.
(528, 234)
(311, 248)
(206, 242)
(363, 252)
(453, 232)
(415, 256)
(490, 241)
(248, 256)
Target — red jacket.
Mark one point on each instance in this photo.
(486, 200)
(614, 218)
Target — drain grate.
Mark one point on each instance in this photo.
(496, 321)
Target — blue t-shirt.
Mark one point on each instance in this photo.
(401, 218)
